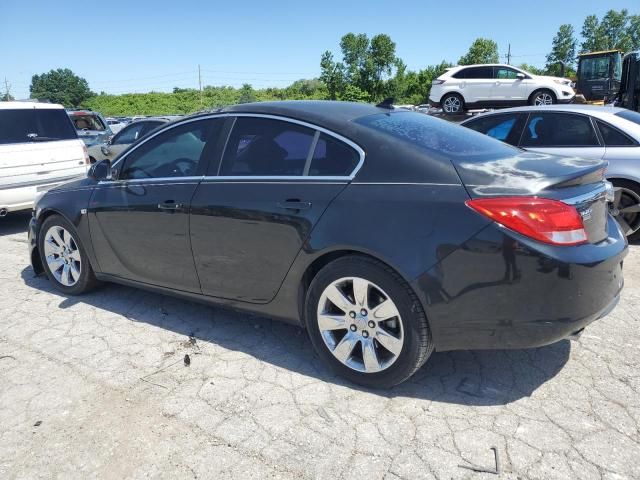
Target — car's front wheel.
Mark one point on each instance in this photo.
(452, 103)
(366, 323)
(64, 257)
(542, 97)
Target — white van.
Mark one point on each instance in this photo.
(39, 148)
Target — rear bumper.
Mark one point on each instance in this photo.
(502, 291)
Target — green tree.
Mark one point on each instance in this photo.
(367, 64)
(532, 69)
(60, 86)
(247, 95)
(482, 50)
(563, 50)
(616, 30)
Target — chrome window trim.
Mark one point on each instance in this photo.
(316, 128)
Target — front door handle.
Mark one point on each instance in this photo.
(169, 205)
(294, 205)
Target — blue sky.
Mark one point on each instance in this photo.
(139, 45)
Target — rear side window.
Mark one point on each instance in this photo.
(558, 130)
(479, 72)
(501, 127)
(87, 121)
(332, 157)
(438, 136)
(266, 147)
(613, 137)
(33, 125)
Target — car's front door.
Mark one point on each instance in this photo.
(248, 223)
(508, 88)
(562, 133)
(140, 220)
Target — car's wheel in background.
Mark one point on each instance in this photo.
(626, 207)
(366, 323)
(542, 97)
(63, 257)
(452, 103)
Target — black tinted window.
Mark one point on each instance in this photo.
(558, 130)
(174, 153)
(479, 72)
(128, 134)
(613, 137)
(25, 125)
(333, 158)
(461, 74)
(500, 127)
(438, 136)
(266, 147)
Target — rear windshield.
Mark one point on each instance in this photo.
(87, 121)
(35, 125)
(630, 115)
(438, 136)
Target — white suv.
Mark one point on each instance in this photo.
(39, 148)
(496, 85)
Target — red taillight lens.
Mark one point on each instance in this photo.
(543, 219)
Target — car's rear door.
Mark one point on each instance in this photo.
(140, 220)
(251, 217)
(477, 84)
(562, 133)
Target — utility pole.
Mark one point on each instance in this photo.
(200, 84)
(509, 55)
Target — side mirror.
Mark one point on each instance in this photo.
(100, 170)
(520, 76)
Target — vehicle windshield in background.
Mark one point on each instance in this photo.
(91, 128)
(33, 125)
(438, 137)
(87, 122)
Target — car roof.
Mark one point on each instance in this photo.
(595, 110)
(28, 105)
(324, 113)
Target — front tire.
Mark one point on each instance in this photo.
(452, 104)
(366, 323)
(63, 257)
(542, 97)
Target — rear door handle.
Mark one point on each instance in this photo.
(169, 205)
(294, 205)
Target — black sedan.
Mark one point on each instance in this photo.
(386, 234)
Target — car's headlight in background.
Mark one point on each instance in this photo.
(562, 82)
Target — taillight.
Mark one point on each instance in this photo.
(87, 160)
(543, 219)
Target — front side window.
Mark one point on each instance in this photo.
(333, 157)
(613, 137)
(558, 130)
(176, 152)
(128, 135)
(35, 125)
(507, 73)
(500, 127)
(266, 147)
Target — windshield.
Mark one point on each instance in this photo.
(629, 115)
(87, 121)
(438, 136)
(33, 125)
(597, 68)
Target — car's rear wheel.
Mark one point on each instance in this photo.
(366, 323)
(452, 103)
(64, 257)
(626, 208)
(542, 97)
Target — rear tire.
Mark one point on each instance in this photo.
(64, 258)
(366, 323)
(627, 198)
(543, 97)
(452, 104)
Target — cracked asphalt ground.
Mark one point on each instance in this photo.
(104, 374)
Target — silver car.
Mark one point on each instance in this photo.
(586, 131)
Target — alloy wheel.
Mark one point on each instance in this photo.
(452, 104)
(626, 210)
(62, 255)
(543, 98)
(360, 324)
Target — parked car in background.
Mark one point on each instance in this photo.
(115, 125)
(39, 148)
(125, 137)
(496, 85)
(584, 131)
(92, 128)
(387, 234)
